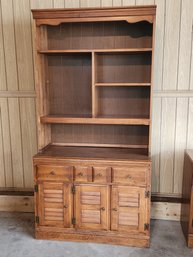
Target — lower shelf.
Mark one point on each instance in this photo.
(52, 151)
(127, 240)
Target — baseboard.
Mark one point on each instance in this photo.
(20, 203)
(16, 203)
(165, 211)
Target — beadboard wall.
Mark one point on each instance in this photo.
(173, 90)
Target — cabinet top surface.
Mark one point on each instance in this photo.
(144, 10)
(190, 153)
(96, 153)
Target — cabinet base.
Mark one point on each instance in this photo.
(190, 241)
(138, 241)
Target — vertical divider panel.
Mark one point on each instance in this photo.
(94, 89)
(41, 84)
(152, 80)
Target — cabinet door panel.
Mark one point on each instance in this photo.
(55, 204)
(91, 207)
(129, 208)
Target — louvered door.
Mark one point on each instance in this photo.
(128, 209)
(54, 204)
(91, 207)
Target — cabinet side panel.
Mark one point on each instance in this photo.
(186, 194)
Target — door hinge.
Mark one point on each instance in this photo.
(73, 189)
(37, 219)
(74, 221)
(36, 188)
(146, 226)
(147, 194)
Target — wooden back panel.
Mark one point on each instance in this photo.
(123, 67)
(99, 35)
(69, 77)
(73, 134)
(123, 102)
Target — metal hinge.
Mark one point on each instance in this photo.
(146, 226)
(36, 188)
(73, 189)
(37, 219)
(147, 194)
(73, 221)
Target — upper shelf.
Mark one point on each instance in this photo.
(83, 120)
(126, 50)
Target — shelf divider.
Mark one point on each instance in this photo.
(112, 50)
(83, 120)
(122, 84)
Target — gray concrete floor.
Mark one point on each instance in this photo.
(17, 240)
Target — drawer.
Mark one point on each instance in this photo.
(101, 174)
(46, 172)
(131, 175)
(83, 174)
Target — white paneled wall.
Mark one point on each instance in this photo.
(172, 130)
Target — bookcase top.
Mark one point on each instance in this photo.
(138, 13)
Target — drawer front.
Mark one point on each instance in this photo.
(101, 174)
(64, 173)
(83, 174)
(131, 175)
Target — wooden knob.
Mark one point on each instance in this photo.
(99, 175)
(102, 208)
(114, 209)
(52, 172)
(129, 177)
(65, 206)
(80, 174)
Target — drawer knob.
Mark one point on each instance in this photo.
(114, 209)
(129, 177)
(52, 172)
(102, 208)
(65, 206)
(98, 175)
(80, 174)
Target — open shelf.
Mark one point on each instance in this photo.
(98, 35)
(124, 50)
(123, 102)
(94, 153)
(112, 135)
(118, 67)
(99, 120)
(69, 84)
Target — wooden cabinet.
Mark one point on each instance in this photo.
(93, 73)
(187, 198)
(91, 203)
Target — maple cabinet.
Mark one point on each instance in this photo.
(94, 80)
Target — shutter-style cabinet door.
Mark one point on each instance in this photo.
(54, 204)
(91, 207)
(128, 209)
